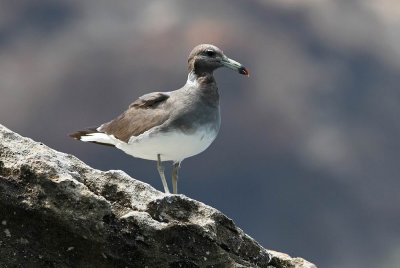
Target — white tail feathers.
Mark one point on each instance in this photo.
(99, 138)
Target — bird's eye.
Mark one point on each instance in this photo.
(210, 53)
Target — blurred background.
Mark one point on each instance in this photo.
(307, 159)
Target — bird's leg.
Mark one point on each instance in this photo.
(175, 169)
(160, 169)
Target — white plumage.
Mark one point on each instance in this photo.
(172, 146)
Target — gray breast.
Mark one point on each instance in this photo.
(196, 112)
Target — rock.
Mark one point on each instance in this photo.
(55, 211)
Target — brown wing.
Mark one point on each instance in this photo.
(142, 115)
(149, 100)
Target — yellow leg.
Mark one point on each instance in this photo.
(160, 169)
(175, 169)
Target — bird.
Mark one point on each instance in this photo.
(171, 125)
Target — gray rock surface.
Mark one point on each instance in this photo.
(55, 211)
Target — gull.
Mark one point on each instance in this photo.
(173, 125)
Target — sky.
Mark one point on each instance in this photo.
(307, 158)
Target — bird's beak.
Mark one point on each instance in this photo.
(234, 65)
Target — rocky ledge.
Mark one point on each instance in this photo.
(55, 211)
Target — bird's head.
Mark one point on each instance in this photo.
(206, 58)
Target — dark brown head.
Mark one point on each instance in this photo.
(206, 58)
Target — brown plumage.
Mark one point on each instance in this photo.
(142, 115)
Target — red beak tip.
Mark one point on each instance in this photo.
(244, 71)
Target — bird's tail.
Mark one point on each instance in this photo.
(94, 136)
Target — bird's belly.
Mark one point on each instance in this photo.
(172, 146)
